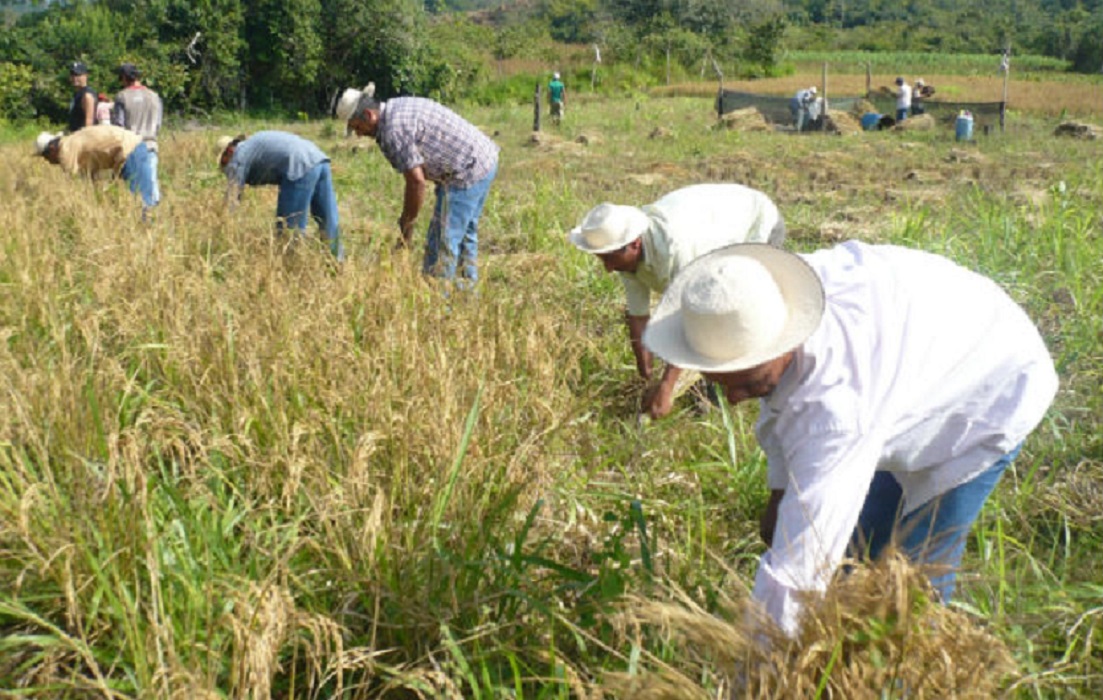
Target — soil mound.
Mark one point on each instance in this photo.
(1078, 130)
(747, 119)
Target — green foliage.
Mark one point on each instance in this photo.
(15, 91)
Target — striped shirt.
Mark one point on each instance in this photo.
(415, 131)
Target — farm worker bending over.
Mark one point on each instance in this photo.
(297, 166)
(428, 142)
(103, 147)
(800, 106)
(648, 246)
(895, 387)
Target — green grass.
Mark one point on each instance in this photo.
(226, 472)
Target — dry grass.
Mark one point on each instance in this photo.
(876, 634)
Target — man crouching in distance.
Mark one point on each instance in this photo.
(298, 167)
(648, 246)
(103, 147)
(895, 387)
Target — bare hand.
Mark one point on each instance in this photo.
(658, 401)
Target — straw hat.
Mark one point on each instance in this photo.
(43, 140)
(350, 98)
(223, 143)
(736, 308)
(608, 227)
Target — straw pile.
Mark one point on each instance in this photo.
(877, 633)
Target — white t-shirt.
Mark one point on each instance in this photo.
(692, 221)
(903, 96)
(920, 368)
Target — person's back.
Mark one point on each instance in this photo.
(936, 360)
(272, 157)
(416, 131)
(96, 148)
(139, 109)
(555, 89)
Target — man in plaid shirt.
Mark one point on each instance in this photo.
(426, 141)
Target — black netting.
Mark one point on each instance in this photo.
(776, 110)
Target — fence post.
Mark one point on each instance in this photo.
(536, 108)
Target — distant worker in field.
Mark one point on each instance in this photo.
(649, 245)
(800, 107)
(895, 388)
(82, 108)
(102, 147)
(139, 109)
(557, 96)
(920, 92)
(300, 170)
(104, 104)
(903, 99)
(427, 142)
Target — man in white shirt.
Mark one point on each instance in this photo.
(648, 245)
(895, 386)
(903, 99)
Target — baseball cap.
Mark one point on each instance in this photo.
(78, 68)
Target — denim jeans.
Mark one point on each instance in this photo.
(933, 534)
(154, 161)
(138, 173)
(312, 192)
(459, 209)
(901, 114)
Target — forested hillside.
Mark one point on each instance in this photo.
(294, 55)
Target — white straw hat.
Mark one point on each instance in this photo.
(350, 98)
(736, 308)
(223, 143)
(608, 227)
(43, 140)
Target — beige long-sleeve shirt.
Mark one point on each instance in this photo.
(96, 148)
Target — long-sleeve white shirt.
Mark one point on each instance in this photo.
(920, 368)
(690, 222)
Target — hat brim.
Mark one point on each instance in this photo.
(801, 291)
(576, 238)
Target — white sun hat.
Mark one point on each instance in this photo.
(346, 105)
(736, 308)
(607, 227)
(43, 140)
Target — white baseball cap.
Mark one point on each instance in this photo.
(736, 308)
(43, 140)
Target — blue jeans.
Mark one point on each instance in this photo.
(312, 192)
(138, 173)
(459, 208)
(901, 114)
(154, 160)
(933, 534)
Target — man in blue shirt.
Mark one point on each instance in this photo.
(297, 166)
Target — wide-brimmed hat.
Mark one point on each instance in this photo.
(736, 308)
(43, 141)
(350, 99)
(223, 143)
(607, 227)
(920, 82)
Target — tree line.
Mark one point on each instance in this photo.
(296, 55)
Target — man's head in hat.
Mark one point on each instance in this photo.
(128, 73)
(78, 74)
(359, 109)
(47, 145)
